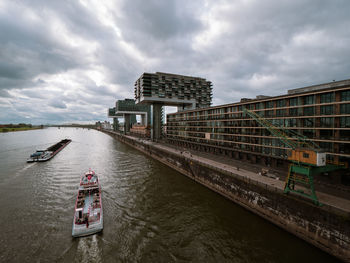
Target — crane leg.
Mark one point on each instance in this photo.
(289, 184)
(303, 176)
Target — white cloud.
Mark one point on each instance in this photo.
(78, 57)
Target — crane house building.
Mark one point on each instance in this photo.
(320, 112)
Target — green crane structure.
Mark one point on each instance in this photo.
(307, 158)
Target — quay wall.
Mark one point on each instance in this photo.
(326, 227)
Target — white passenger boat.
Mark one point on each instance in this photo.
(88, 214)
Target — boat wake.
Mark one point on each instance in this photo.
(20, 172)
(88, 250)
(26, 167)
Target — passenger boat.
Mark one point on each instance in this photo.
(88, 214)
(45, 155)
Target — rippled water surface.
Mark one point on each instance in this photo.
(151, 213)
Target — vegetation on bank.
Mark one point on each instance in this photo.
(18, 127)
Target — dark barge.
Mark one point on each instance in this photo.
(45, 155)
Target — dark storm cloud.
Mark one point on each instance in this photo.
(272, 46)
(159, 19)
(78, 57)
(29, 49)
(57, 104)
(161, 28)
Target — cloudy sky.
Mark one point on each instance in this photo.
(69, 60)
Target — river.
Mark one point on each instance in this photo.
(151, 212)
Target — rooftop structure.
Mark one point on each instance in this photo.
(163, 89)
(333, 84)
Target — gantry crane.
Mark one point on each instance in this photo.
(307, 158)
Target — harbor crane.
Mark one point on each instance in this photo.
(306, 158)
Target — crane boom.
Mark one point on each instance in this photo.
(302, 149)
(307, 159)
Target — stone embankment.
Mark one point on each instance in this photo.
(326, 227)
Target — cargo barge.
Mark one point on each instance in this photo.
(88, 214)
(45, 155)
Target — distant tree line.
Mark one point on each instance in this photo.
(18, 127)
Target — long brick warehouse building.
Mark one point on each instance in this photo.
(320, 112)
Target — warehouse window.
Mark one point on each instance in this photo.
(345, 122)
(345, 108)
(327, 97)
(309, 133)
(292, 122)
(343, 148)
(326, 122)
(269, 113)
(293, 102)
(345, 136)
(309, 122)
(309, 111)
(326, 134)
(309, 100)
(269, 104)
(280, 103)
(327, 146)
(280, 113)
(345, 95)
(327, 110)
(305, 155)
(293, 112)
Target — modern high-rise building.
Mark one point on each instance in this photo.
(173, 90)
(164, 89)
(320, 113)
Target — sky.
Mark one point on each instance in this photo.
(68, 61)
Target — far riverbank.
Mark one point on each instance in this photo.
(15, 128)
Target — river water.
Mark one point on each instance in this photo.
(151, 213)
